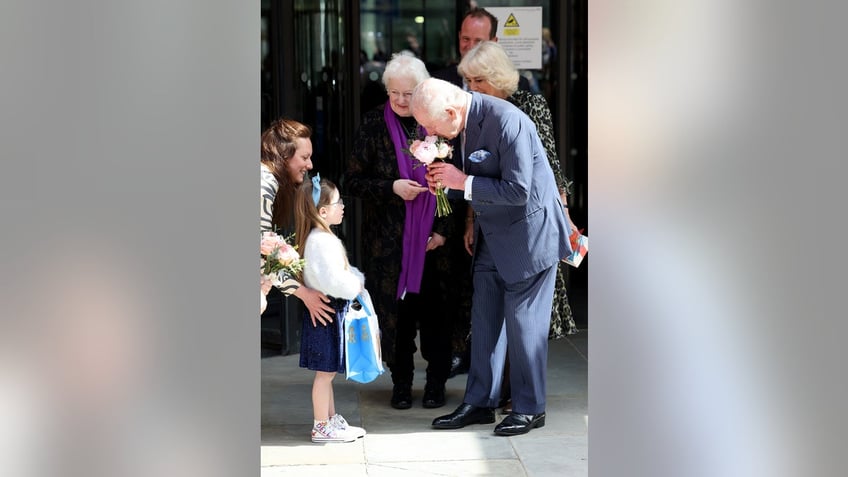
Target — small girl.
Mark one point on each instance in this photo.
(318, 205)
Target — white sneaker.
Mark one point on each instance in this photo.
(340, 423)
(327, 432)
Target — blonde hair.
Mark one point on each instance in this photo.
(488, 60)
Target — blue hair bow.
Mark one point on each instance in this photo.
(316, 188)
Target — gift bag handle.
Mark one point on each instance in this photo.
(363, 304)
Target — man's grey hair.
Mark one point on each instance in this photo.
(433, 96)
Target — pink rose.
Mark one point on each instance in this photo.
(268, 243)
(287, 255)
(426, 152)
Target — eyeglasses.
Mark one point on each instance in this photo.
(338, 202)
(397, 94)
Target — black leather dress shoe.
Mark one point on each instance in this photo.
(516, 424)
(464, 415)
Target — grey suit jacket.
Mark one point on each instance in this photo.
(515, 198)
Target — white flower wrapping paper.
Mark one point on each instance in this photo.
(580, 247)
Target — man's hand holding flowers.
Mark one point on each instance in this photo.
(431, 152)
(443, 174)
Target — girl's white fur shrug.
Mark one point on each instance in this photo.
(325, 269)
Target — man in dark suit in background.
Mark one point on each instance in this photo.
(520, 234)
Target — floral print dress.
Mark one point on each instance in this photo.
(536, 107)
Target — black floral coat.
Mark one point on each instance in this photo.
(371, 170)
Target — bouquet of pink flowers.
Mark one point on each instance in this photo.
(278, 257)
(430, 149)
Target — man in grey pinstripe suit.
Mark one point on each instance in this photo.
(520, 235)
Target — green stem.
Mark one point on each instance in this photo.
(443, 207)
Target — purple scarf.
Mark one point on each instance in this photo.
(420, 212)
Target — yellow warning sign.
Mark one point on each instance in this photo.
(522, 39)
(511, 21)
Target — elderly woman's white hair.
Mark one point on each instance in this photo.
(405, 65)
(489, 61)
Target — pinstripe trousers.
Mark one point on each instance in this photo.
(518, 313)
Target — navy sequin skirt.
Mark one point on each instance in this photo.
(321, 347)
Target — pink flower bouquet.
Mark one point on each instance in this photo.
(277, 258)
(433, 148)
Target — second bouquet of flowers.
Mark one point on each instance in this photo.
(278, 259)
(430, 149)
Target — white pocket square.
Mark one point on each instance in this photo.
(479, 155)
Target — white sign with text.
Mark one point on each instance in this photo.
(520, 33)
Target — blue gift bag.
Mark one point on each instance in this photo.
(363, 359)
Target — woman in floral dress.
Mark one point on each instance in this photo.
(487, 69)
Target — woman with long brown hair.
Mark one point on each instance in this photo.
(286, 158)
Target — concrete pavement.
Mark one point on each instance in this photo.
(402, 443)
